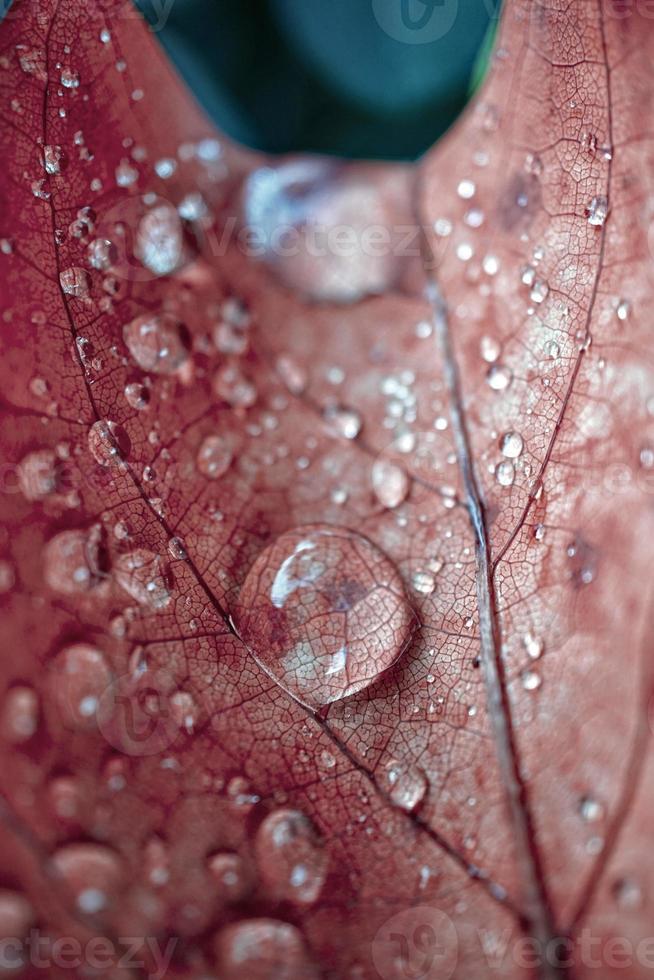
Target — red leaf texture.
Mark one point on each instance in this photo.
(327, 523)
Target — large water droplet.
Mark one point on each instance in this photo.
(263, 949)
(144, 576)
(79, 676)
(108, 442)
(292, 861)
(75, 561)
(325, 612)
(157, 343)
(511, 445)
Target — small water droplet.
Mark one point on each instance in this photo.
(531, 681)
(325, 612)
(232, 386)
(623, 309)
(20, 714)
(137, 395)
(389, 482)
(108, 442)
(144, 576)
(345, 422)
(126, 173)
(39, 474)
(505, 473)
(423, 583)
(214, 457)
(490, 349)
(93, 875)
(69, 78)
(533, 164)
(177, 550)
(499, 377)
(533, 646)
(232, 875)
(466, 189)
(292, 374)
(628, 894)
(597, 211)
(75, 281)
(158, 343)
(291, 859)
(53, 159)
(590, 810)
(539, 291)
(511, 444)
(101, 254)
(407, 785)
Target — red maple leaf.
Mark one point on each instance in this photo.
(327, 519)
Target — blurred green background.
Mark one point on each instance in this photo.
(360, 78)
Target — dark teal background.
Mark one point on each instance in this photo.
(322, 75)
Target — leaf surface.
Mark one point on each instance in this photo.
(430, 459)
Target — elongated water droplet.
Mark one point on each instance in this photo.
(75, 281)
(292, 860)
(389, 482)
(505, 473)
(597, 211)
(157, 343)
(20, 714)
(159, 240)
(108, 442)
(325, 612)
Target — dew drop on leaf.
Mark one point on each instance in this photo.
(214, 457)
(108, 442)
(324, 612)
(499, 377)
(144, 576)
(92, 873)
(597, 211)
(423, 583)
(390, 483)
(20, 714)
(505, 473)
(74, 281)
(231, 874)
(407, 785)
(159, 240)
(511, 445)
(627, 894)
(539, 291)
(79, 675)
(531, 681)
(263, 949)
(345, 422)
(137, 395)
(232, 386)
(74, 561)
(101, 254)
(533, 646)
(490, 349)
(53, 159)
(292, 374)
(291, 858)
(158, 343)
(69, 78)
(591, 810)
(38, 474)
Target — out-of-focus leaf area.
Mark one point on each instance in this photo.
(359, 78)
